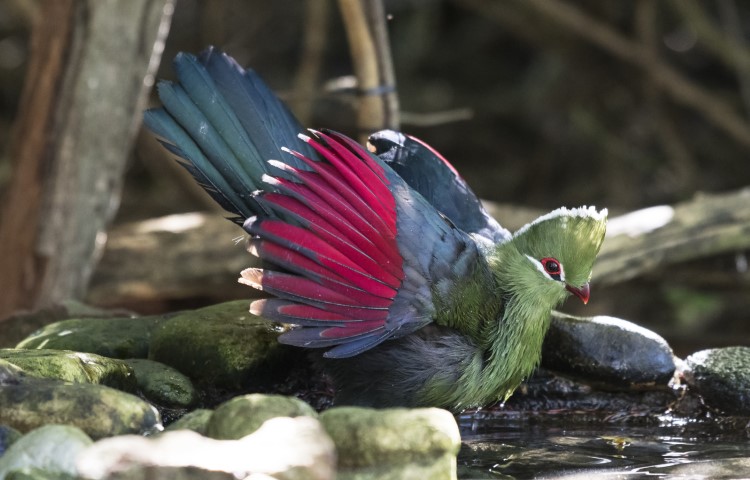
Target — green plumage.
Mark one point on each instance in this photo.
(509, 326)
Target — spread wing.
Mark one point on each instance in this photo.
(361, 252)
(426, 171)
(357, 255)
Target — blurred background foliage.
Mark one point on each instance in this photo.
(539, 103)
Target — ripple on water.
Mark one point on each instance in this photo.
(502, 447)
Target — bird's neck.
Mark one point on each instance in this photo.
(516, 339)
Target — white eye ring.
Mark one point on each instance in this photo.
(540, 267)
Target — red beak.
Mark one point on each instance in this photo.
(582, 292)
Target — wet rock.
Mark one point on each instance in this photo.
(243, 415)
(162, 384)
(7, 437)
(28, 402)
(127, 337)
(72, 367)
(51, 449)
(557, 398)
(722, 377)
(607, 350)
(282, 448)
(197, 421)
(393, 443)
(222, 346)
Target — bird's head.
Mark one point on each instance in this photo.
(559, 249)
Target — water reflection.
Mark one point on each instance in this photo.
(508, 448)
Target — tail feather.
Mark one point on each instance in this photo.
(241, 156)
(267, 113)
(225, 123)
(177, 141)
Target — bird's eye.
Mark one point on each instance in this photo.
(552, 267)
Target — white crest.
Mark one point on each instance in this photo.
(581, 212)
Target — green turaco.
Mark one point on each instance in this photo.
(380, 258)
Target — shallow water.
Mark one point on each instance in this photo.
(496, 446)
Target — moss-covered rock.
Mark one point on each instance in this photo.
(162, 384)
(74, 367)
(243, 415)
(29, 402)
(222, 346)
(722, 377)
(51, 449)
(114, 337)
(393, 443)
(197, 421)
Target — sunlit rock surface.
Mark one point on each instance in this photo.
(722, 377)
(51, 449)
(393, 443)
(282, 448)
(243, 415)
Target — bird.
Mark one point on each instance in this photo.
(379, 258)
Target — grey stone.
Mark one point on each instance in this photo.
(29, 402)
(162, 384)
(393, 443)
(283, 448)
(51, 448)
(722, 377)
(222, 346)
(243, 415)
(607, 350)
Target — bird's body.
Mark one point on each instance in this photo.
(387, 261)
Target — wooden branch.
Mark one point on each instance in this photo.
(676, 86)
(727, 48)
(366, 29)
(183, 257)
(82, 102)
(174, 258)
(645, 241)
(313, 47)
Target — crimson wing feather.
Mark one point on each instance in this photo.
(334, 234)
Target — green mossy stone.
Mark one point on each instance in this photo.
(74, 367)
(722, 377)
(28, 402)
(222, 346)
(118, 337)
(243, 415)
(49, 449)
(162, 384)
(394, 443)
(197, 421)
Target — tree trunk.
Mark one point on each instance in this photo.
(92, 63)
